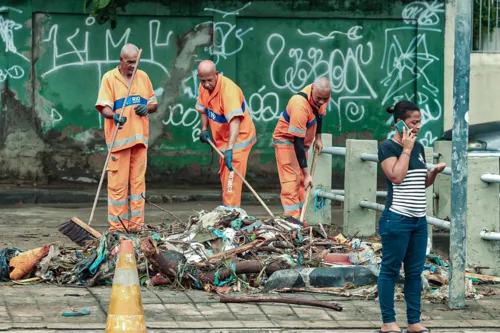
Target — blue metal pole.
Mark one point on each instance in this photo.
(461, 84)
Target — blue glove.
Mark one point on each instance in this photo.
(205, 136)
(119, 121)
(228, 159)
(141, 110)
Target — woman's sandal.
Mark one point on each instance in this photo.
(427, 330)
(391, 331)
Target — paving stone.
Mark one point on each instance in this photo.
(258, 324)
(162, 324)
(170, 297)
(356, 324)
(484, 323)
(245, 310)
(322, 324)
(215, 311)
(305, 313)
(225, 324)
(27, 319)
(183, 310)
(289, 323)
(194, 324)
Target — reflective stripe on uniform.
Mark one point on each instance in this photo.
(283, 142)
(129, 140)
(243, 144)
(124, 217)
(296, 130)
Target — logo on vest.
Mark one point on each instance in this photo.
(136, 99)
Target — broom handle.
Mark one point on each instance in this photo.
(306, 201)
(244, 180)
(114, 138)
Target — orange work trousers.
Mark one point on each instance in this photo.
(232, 185)
(124, 167)
(291, 180)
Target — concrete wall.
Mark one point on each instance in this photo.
(375, 53)
(484, 79)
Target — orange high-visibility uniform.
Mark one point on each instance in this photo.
(128, 160)
(298, 120)
(223, 104)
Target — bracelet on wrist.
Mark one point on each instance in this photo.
(406, 153)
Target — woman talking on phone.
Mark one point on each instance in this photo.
(403, 224)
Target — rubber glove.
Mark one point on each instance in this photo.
(228, 159)
(141, 110)
(119, 121)
(205, 136)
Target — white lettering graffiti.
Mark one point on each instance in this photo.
(407, 65)
(190, 85)
(7, 28)
(423, 13)
(79, 56)
(352, 33)
(55, 116)
(190, 117)
(14, 72)
(264, 107)
(236, 12)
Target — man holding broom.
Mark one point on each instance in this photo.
(299, 125)
(222, 107)
(128, 160)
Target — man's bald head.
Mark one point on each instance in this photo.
(207, 74)
(128, 59)
(322, 84)
(321, 91)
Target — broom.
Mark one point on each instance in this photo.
(313, 167)
(75, 229)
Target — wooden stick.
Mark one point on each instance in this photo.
(237, 250)
(114, 138)
(244, 180)
(243, 299)
(306, 201)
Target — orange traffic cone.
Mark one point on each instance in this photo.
(125, 308)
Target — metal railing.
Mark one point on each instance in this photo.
(485, 34)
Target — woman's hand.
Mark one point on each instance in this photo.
(408, 140)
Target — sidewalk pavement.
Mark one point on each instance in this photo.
(37, 308)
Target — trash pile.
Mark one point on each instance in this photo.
(219, 251)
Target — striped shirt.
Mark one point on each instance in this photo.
(407, 198)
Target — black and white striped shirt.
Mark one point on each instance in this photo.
(407, 198)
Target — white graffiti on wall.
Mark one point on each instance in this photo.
(14, 72)
(80, 56)
(344, 68)
(7, 28)
(407, 64)
(352, 34)
(185, 117)
(224, 31)
(423, 13)
(264, 107)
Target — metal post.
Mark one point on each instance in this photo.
(459, 163)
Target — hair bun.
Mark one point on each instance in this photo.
(390, 109)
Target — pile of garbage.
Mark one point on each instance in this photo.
(218, 251)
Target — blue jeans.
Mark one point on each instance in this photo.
(404, 239)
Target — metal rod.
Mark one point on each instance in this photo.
(369, 157)
(331, 196)
(446, 171)
(339, 151)
(495, 236)
(461, 86)
(490, 178)
(381, 194)
(496, 27)
(480, 19)
(483, 154)
(371, 205)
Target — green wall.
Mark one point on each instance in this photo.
(54, 56)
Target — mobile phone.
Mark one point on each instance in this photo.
(399, 126)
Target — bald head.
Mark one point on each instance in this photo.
(129, 50)
(207, 74)
(321, 91)
(128, 60)
(322, 84)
